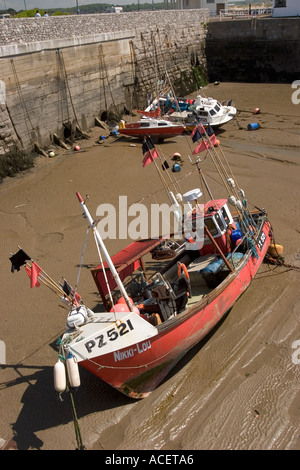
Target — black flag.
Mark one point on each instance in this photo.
(209, 131)
(165, 165)
(147, 144)
(66, 288)
(18, 260)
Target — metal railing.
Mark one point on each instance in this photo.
(244, 13)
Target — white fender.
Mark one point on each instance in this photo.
(60, 381)
(73, 371)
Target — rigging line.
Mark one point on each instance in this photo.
(102, 77)
(132, 61)
(68, 87)
(173, 182)
(233, 188)
(80, 265)
(108, 81)
(153, 194)
(167, 222)
(167, 75)
(238, 188)
(13, 125)
(156, 62)
(104, 273)
(62, 90)
(21, 97)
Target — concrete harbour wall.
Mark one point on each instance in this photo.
(66, 71)
(60, 73)
(254, 50)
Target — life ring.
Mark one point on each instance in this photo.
(182, 267)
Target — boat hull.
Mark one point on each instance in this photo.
(157, 132)
(137, 370)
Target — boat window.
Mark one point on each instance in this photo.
(145, 124)
(162, 123)
(219, 222)
(211, 226)
(217, 108)
(225, 215)
(220, 106)
(212, 112)
(202, 113)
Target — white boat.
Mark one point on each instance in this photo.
(207, 111)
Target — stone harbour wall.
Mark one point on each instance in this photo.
(255, 50)
(60, 73)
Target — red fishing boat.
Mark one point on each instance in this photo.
(157, 129)
(162, 296)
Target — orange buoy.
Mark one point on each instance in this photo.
(182, 267)
(275, 250)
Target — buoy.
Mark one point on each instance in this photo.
(176, 167)
(122, 307)
(176, 156)
(77, 147)
(123, 301)
(253, 126)
(73, 371)
(51, 154)
(60, 381)
(182, 267)
(275, 250)
(217, 143)
(256, 111)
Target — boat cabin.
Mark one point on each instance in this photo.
(217, 219)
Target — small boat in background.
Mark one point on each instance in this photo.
(157, 129)
(206, 111)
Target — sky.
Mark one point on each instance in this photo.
(44, 4)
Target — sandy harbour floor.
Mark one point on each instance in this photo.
(238, 389)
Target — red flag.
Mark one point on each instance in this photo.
(33, 273)
(149, 157)
(201, 147)
(77, 299)
(154, 113)
(214, 141)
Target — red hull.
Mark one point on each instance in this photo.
(158, 132)
(137, 370)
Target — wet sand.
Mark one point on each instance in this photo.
(238, 389)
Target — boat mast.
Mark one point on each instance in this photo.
(105, 253)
